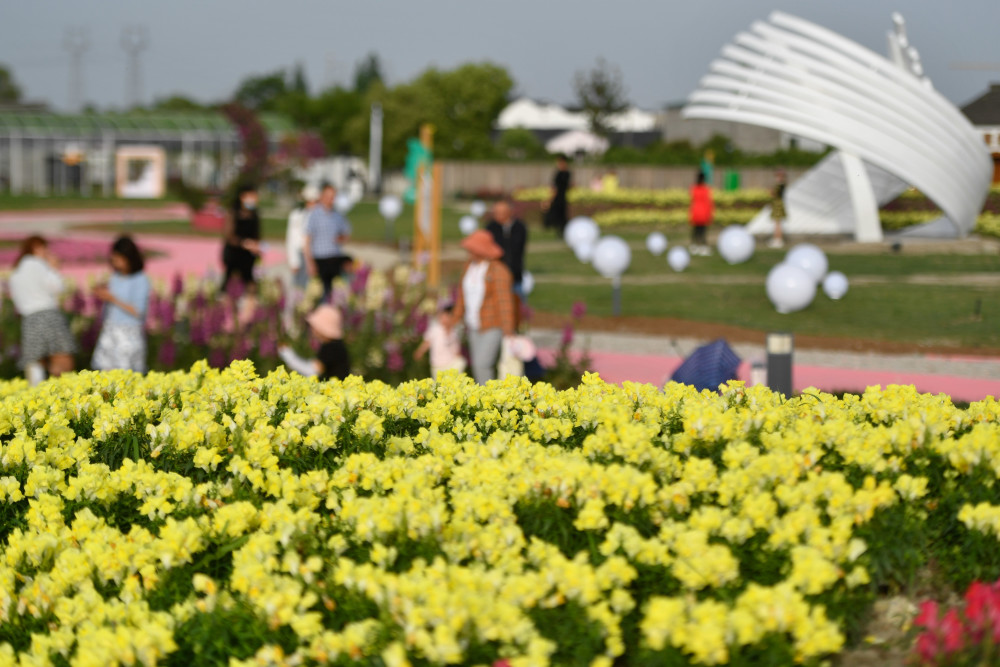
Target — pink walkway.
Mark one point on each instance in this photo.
(654, 369)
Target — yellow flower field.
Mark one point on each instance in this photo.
(215, 517)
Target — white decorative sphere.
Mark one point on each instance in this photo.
(835, 285)
(678, 258)
(790, 287)
(477, 208)
(584, 251)
(611, 256)
(735, 244)
(809, 258)
(581, 231)
(656, 243)
(467, 224)
(343, 203)
(527, 282)
(390, 206)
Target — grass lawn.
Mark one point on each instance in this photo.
(930, 315)
(559, 260)
(966, 316)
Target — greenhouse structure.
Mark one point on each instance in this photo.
(43, 153)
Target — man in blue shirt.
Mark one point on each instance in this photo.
(326, 232)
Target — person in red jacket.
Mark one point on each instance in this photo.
(700, 215)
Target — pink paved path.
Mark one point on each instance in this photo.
(654, 369)
(199, 257)
(25, 219)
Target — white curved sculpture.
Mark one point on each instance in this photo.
(891, 128)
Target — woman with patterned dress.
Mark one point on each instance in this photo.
(122, 343)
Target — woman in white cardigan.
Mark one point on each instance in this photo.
(35, 288)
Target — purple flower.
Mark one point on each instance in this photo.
(268, 346)
(234, 289)
(216, 358)
(167, 354)
(567, 336)
(421, 324)
(579, 309)
(394, 362)
(199, 301)
(76, 302)
(360, 279)
(166, 314)
(177, 286)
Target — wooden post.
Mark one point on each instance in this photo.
(434, 268)
(422, 239)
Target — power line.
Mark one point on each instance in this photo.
(77, 43)
(135, 39)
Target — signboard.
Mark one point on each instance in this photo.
(140, 172)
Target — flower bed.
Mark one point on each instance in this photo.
(668, 207)
(385, 315)
(218, 515)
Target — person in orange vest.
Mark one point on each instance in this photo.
(700, 215)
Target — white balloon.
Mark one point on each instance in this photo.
(790, 287)
(656, 243)
(581, 231)
(835, 285)
(736, 244)
(678, 258)
(527, 282)
(343, 203)
(390, 206)
(810, 258)
(584, 251)
(467, 224)
(477, 208)
(611, 256)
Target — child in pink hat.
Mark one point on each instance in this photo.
(332, 360)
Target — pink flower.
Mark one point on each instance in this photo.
(579, 309)
(567, 336)
(954, 634)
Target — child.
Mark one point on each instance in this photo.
(700, 215)
(35, 286)
(441, 338)
(332, 360)
(122, 343)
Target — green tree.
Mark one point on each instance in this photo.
(10, 92)
(601, 93)
(519, 143)
(298, 84)
(177, 103)
(367, 73)
(462, 105)
(262, 92)
(331, 115)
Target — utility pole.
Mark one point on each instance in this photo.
(76, 43)
(135, 39)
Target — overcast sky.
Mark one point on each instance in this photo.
(203, 48)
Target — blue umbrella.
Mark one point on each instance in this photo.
(708, 366)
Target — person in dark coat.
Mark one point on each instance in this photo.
(558, 211)
(242, 239)
(511, 235)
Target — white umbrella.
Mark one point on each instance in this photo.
(577, 141)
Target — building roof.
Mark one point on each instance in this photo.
(985, 109)
(166, 124)
(529, 114)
